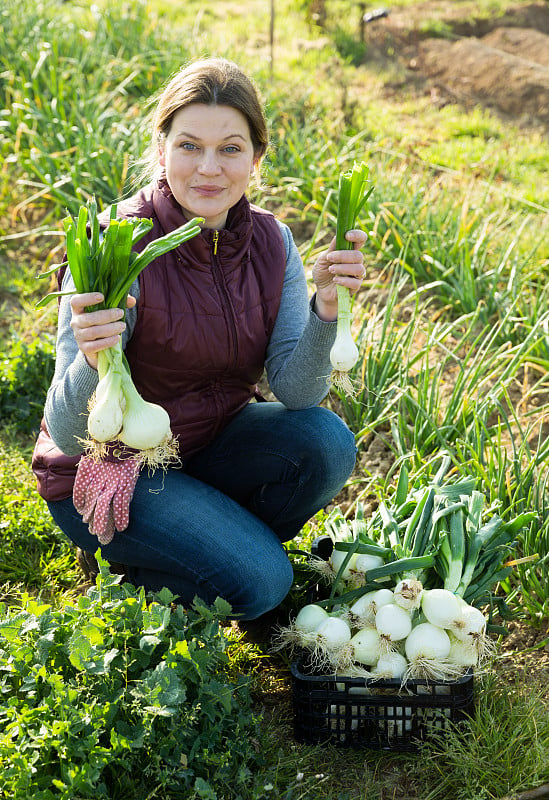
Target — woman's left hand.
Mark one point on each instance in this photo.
(338, 267)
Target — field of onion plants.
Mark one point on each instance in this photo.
(108, 693)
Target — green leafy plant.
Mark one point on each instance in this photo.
(118, 695)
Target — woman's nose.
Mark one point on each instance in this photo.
(209, 163)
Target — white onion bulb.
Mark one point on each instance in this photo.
(441, 607)
(393, 622)
(310, 617)
(366, 646)
(427, 641)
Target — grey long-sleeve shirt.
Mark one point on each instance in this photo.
(297, 362)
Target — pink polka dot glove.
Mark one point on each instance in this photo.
(102, 494)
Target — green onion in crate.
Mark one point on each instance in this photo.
(108, 264)
(417, 614)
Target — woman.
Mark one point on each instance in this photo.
(201, 325)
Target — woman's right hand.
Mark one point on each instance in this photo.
(96, 330)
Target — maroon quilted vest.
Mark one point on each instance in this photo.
(206, 312)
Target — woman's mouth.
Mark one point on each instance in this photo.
(207, 190)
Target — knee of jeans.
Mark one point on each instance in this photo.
(335, 448)
(348, 448)
(264, 593)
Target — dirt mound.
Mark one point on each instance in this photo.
(474, 72)
(501, 63)
(463, 18)
(522, 42)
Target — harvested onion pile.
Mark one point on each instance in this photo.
(408, 585)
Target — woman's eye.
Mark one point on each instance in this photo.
(187, 146)
(232, 148)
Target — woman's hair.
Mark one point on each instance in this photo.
(211, 81)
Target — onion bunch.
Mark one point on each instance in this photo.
(108, 264)
(432, 532)
(417, 613)
(439, 641)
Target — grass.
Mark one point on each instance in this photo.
(493, 748)
(452, 321)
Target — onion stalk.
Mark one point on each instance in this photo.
(351, 200)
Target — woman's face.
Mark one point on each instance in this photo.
(208, 157)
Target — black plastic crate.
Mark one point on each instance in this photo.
(377, 714)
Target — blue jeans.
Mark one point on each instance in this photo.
(216, 527)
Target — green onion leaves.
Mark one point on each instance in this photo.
(353, 193)
(107, 264)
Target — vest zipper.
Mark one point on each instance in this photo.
(220, 281)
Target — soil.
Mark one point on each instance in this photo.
(524, 654)
(498, 63)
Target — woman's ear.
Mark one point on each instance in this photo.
(161, 156)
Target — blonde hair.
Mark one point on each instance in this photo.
(211, 81)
